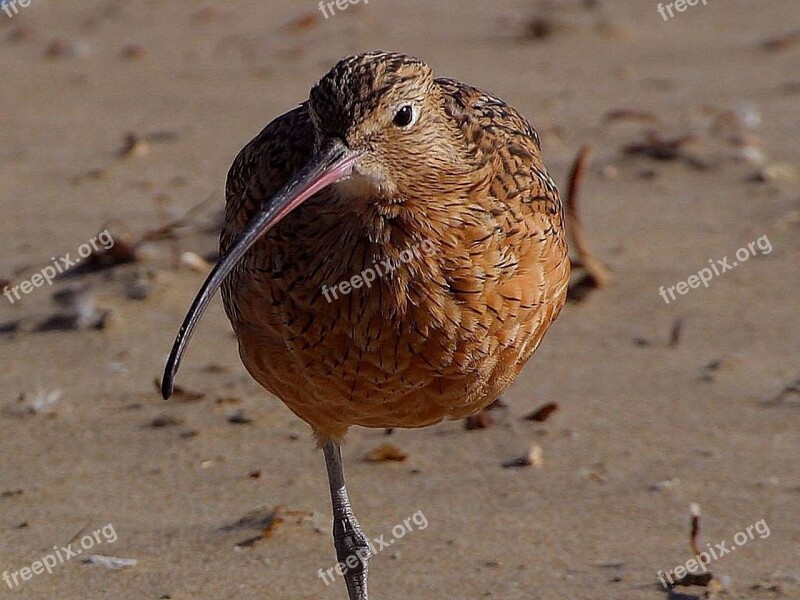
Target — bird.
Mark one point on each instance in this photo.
(393, 252)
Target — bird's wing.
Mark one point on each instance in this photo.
(517, 239)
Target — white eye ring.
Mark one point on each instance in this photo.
(405, 116)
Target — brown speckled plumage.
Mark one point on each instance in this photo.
(443, 335)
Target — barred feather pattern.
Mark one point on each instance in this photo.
(442, 334)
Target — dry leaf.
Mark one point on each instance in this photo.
(675, 333)
(266, 521)
(163, 421)
(541, 414)
(660, 147)
(625, 114)
(239, 418)
(302, 22)
(482, 420)
(783, 42)
(133, 52)
(386, 453)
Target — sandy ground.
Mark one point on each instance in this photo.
(645, 427)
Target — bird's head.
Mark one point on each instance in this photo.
(383, 138)
(385, 110)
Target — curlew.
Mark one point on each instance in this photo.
(381, 160)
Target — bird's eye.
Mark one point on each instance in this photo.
(404, 116)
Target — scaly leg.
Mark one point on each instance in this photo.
(352, 546)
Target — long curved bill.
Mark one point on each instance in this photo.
(332, 163)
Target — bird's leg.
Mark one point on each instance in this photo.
(352, 546)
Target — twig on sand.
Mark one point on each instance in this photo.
(585, 257)
(597, 274)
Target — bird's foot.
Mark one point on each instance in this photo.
(354, 553)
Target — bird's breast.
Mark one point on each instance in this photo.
(346, 331)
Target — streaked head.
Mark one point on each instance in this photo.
(387, 108)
